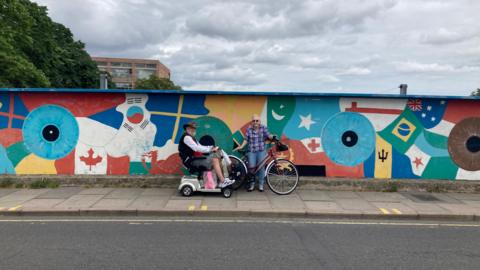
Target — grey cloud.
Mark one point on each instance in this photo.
(246, 21)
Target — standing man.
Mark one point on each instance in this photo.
(256, 136)
(191, 152)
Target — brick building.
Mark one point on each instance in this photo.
(125, 71)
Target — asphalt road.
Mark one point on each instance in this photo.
(226, 244)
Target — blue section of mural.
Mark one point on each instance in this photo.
(429, 112)
(310, 116)
(110, 117)
(348, 138)
(171, 112)
(402, 166)
(6, 166)
(50, 132)
(430, 150)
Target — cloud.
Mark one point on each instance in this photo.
(261, 20)
(412, 66)
(289, 45)
(445, 36)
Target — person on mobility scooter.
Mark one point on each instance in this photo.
(198, 158)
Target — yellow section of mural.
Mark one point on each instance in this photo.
(33, 164)
(383, 158)
(235, 111)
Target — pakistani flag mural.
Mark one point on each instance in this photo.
(79, 132)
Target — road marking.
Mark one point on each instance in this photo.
(191, 207)
(43, 221)
(14, 208)
(204, 207)
(385, 211)
(396, 211)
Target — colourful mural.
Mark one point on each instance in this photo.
(337, 136)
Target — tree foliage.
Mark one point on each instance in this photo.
(37, 52)
(476, 93)
(153, 82)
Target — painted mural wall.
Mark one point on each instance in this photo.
(128, 133)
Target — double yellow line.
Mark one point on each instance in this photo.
(393, 211)
(11, 208)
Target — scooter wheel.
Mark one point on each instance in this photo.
(227, 192)
(187, 191)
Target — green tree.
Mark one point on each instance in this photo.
(476, 92)
(154, 82)
(37, 52)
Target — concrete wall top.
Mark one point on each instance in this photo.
(214, 92)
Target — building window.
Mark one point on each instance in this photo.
(120, 64)
(102, 64)
(123, 85)
(140, 65)
(152, 66)
(144, 73)
(121, 73)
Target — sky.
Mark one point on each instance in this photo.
(335, 46)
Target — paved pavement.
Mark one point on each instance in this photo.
(234, 244)
(302, 203)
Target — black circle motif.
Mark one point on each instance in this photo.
(473, 144)
(51, 133)
(349, 138)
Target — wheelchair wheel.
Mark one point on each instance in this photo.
(238, 172)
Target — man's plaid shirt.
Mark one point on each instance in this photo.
(256, 138)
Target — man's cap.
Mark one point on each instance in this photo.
(190, 124)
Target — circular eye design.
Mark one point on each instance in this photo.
(216, 130)
(348, 138)
(464, 144)
(50, 132)
(135, 114)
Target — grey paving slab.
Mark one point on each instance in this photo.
(158, 192)
(314, 195)
(426, 208)
(12, 203)
(290, 202)
(95, 191)
(254, 205)
(183, 205)
(123, 193)
(60, 193)
(112, 204)
(343, 195)
(251, 196)
(394, 207)
(219, 203)
(428, 197)
(381, 196)
(475, 204)
(464, 196)
(323, 206)
(79, 202)
(462, 209)
(41, 203)
(6, 191)
(149, 203)
(355, 204)
(21, 196)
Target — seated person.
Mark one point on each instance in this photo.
(191, 154)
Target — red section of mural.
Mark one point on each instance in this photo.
(120, 165)
(136, 118)
(458, 110)
(169, 166)
(302, 156)
(9, 136)
(90, 160)
(66, 165)
(79, 104)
